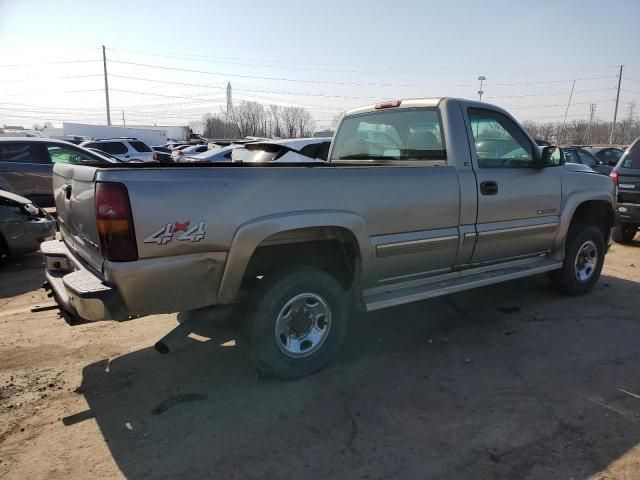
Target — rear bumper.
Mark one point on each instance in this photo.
(76, 288)
(628, 213)
(129, 289)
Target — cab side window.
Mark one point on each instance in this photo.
(587, 159)
(570, 156)
(23, 153)
(499, 142)
(62, 154)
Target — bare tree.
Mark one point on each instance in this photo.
(289, 116)
(249, 118)
(255, 119)
(335, 121)
(306, 124)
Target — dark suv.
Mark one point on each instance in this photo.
(627, 176)
(26, 165)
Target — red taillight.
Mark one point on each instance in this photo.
(155, 156)
(392, 104)
(115, 223)
(614, 176)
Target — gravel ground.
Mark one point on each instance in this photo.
(507, 381)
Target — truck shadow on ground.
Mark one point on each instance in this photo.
(508, 381)
(14, 284)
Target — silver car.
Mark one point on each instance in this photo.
(23, 225)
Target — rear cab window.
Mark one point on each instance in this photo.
(405, 134)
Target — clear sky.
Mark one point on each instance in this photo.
(326, 56)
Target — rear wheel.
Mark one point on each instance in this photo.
(583, 260)
(296, 320)
(624, 232)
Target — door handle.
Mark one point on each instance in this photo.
(489, 188)
(66, 188)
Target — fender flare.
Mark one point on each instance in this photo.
(250, 234)
(571, 204)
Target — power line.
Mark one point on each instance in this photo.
(49, 78)
(151, 94)
(256, 77)
(47, 63)
(541, 82)
(187, 84)
(268, 62)
(553, 94)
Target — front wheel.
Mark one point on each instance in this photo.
(296, 320)
(624, 232)
(583, 261)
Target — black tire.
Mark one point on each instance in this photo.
(263, 309)
(566, 279)
(624, 232)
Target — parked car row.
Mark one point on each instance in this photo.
(290, 150)
(626, 175)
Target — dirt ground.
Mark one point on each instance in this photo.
(508, 381)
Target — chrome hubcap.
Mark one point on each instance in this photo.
(303, 325)
(586, 261)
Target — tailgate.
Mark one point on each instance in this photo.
(74, 190)
(629, 185)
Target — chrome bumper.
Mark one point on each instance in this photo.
(76, 288)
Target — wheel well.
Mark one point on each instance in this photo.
(597, 213)
(331, 249)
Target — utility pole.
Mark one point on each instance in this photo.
(480, 92)
(123, 122)
(229, 112)
(592, 114)
(106, 84)
(615, 112)
(632, 109)
(564, 122)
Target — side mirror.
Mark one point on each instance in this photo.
(551, 156)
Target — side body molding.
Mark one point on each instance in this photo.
(251, 234)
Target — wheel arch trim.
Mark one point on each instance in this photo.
(251, 234)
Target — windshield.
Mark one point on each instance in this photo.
(405, 134)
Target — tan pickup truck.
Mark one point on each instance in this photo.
(419, 198)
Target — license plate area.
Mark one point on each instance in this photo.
(58, 264)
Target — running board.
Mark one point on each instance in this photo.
(458, 284)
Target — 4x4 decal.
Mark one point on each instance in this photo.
(167, 233)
